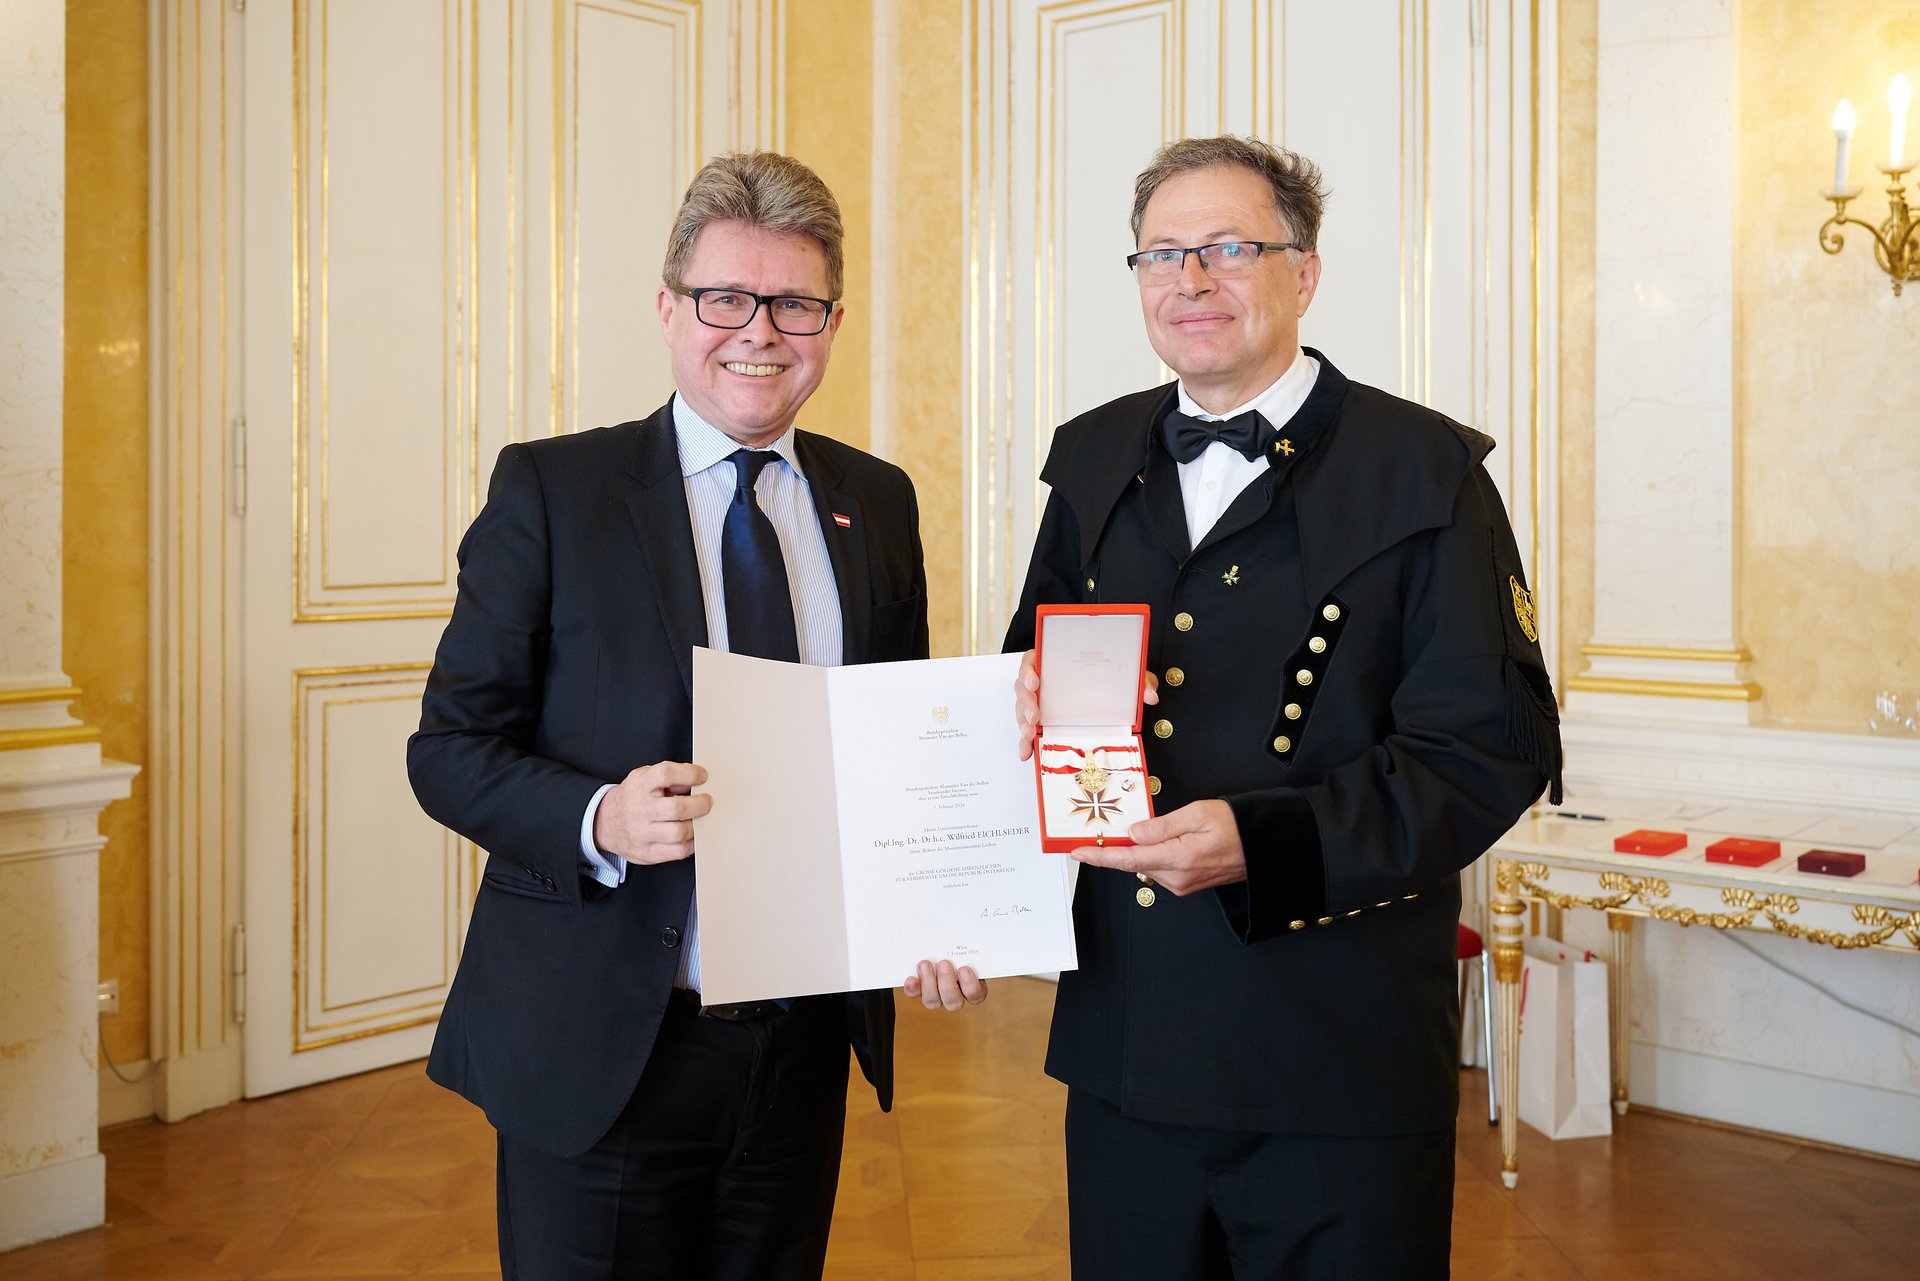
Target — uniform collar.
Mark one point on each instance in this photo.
(1276, 404)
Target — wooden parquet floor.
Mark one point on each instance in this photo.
(386, 1175)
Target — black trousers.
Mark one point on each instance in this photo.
(722, 1167)
(1153, 1202)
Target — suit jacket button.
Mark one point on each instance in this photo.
(670, 937)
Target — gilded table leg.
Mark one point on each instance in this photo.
(1620, 928)
(1505, 918)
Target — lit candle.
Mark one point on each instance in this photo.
(1898, 96)
(1842, 133)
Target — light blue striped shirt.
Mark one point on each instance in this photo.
(783, 494)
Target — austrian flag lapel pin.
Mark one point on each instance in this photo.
(845, 522)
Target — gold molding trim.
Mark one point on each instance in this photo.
(17, 740)
(1667, 652)
(44, 694)
(1744, 692)
(385, 616)
(1748, 909)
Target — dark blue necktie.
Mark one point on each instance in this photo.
(752, 572)
(1188, 437)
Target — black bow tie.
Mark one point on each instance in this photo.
(1188, 437)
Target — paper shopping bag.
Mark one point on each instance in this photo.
(1565, 1079)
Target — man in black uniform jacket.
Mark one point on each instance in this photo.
(643, 1133)
(1262, 1039)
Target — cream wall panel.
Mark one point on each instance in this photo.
(1344, 103)
(379, 888)
(1666, 589)
(32, 247)
(380, 167)
(632, 145)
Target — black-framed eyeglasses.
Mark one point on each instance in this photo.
(792, 314)
(1222, 261)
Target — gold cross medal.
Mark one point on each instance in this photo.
(1092, 804)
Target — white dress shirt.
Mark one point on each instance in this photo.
(1210, 483)
(781, 489)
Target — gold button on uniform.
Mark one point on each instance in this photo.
(1089, 584)
(1304, 676)
(1325, 920)
(1163, 728)
(1175, 676)
(1183, 621)
(1153, 785)
(1318, 645)
(1293, 711)
(1144, 896)
(1283, 744)
(1296, 925)
(1331, 613)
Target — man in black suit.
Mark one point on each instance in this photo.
(643, 1134)
(1262, 1039)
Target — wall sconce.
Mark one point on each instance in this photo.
(1895, 247)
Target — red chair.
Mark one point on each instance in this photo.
(1469, 948)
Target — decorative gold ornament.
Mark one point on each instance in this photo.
(1896, 242)
(1232, 577)
(1523, 611)
(1748, 909)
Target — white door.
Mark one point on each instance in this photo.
(454, 213)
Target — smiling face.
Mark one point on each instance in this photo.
(749, 383)
(1229, 340)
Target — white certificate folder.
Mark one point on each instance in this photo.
(865, 818)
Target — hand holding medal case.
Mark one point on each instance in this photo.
(1088, 761)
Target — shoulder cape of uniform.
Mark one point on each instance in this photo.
(1384, 470)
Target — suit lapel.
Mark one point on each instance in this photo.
(657, 504)
(846, 545)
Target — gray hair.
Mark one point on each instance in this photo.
(763, 189)
(1298, 195)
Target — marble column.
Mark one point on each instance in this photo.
(53, 782)
(1666, 446)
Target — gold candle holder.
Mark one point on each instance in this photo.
(1895, 247)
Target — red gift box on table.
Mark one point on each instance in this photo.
(1089, 764)
(1647, 841)
(1833, 862)
(1745, 852)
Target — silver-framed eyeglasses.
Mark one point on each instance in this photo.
(1222, 261)
(793, 314)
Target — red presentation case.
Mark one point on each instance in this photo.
(1745, 852)
(1088, 762)
(1833, 862)
(1648, 841)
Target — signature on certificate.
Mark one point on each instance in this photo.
(1011, 909)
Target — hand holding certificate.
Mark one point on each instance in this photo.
(863, 818)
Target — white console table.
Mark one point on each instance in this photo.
(1566, 862)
